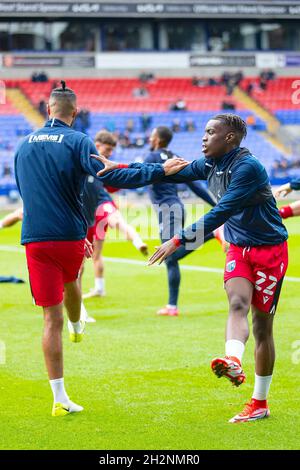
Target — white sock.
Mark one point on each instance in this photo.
(234, 347)
(58, 389)
(83, 312)
(99, 283)
(77, 326)
(137, 242)
(171, 306)
(262, 386)
(1, 224)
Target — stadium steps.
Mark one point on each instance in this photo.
(274, 141)
(272, 123)
(24, 106)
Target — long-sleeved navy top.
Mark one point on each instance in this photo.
(52, 163)
(51, 166)
(246, 223)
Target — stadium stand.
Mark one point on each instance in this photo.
(112, 104)
(276, 97)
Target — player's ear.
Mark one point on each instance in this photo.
(230, 137)
(48, 109)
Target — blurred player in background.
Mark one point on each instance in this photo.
(171, 213)
(292, 209)
(101, 212)
(11, 219)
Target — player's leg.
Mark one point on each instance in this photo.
(291, 210)
(83, 312)
(73, 304)
(264, 354)
(98, 266)
(46, 276)
(52, 340)
(171, 222)
(239, 293)
(239, 285)
(174, 277)
(12, 218)
(115, 220)
(53, 353)
(182, 251)
(270, 264)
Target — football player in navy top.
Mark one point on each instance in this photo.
(257, 258)
(51, 165)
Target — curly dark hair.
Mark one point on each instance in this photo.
(234, 122)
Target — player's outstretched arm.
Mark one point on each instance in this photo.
(244, 184)
(136, 175)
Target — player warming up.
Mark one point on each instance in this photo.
(101, 212)
(51, 166)
(292, 209)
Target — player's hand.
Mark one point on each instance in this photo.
(162, 252)
(173, 165)
(283, 190)
(108, 164)
(88, 249)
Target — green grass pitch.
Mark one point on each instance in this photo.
(145, 382)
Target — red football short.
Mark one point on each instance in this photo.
(51, 265)
(99, 229)
(264, 266)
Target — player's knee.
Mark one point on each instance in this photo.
(54, 322)
(239, 303)
(261, 331)
(171, 260)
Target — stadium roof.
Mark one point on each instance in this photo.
(164, 8)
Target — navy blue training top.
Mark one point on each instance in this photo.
(51, 166)
(94, 194)
(245, 224)
(254, 225)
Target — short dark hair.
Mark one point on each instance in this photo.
(165, 135)
(63, 91)
(105, 137)
(235, 123)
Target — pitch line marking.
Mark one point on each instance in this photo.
(185, 267)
